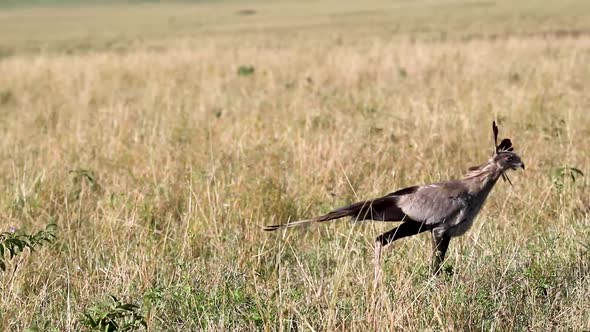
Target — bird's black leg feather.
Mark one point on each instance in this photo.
(403, 230)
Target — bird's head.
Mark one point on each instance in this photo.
(504, 156)
(508, 160)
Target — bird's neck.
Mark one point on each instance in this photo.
(482, 179)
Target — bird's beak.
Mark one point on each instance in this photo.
(522, 165)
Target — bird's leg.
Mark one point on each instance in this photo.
(440, 244)
(403, 230)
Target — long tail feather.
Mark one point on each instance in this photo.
(347, 211)
(270, 228)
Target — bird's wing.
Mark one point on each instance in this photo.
(435, 203)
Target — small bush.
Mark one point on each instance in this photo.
(115, 316)
(15, 241)
(245, 70)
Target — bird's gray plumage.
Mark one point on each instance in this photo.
(447, 209)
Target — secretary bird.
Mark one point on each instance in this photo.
(446, 209)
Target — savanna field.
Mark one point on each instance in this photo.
(143, 145)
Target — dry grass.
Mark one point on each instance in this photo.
(190, 158)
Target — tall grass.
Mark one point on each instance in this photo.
(158, 166)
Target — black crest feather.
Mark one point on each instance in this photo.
(505, 145)
(495, 130)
